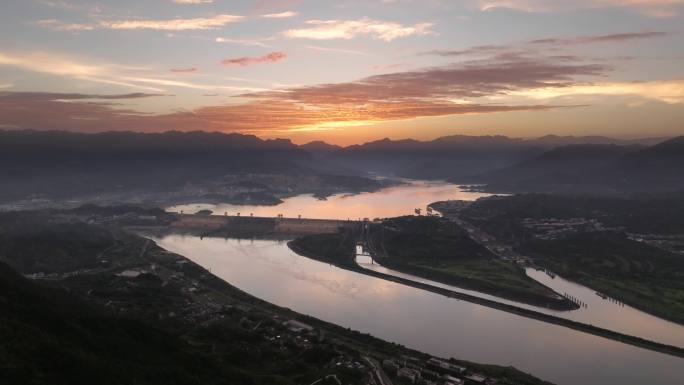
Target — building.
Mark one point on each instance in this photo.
(452, 380)
(408, 375)
(298, 327)
(390, 367)
(445, 367)
(476, 379)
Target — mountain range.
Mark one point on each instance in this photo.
(64, 164)
(69, 164)
(455, 157)
(594, 168)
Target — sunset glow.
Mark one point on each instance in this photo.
(344, 72)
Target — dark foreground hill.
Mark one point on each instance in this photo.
(109, 307)
(50, 337)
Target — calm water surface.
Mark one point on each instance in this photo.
(389, 202)
(599, 312)
(423, 320)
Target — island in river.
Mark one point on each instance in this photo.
(436, 249)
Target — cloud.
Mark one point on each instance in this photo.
(655, 8)
(146, 24)
(56, 111)
(183, 70)
(472, 79)
(669, 91)
(99, 72)
(173, 24)
(272, 57)
(611, 38)
(55, 96)
(247, 42)
(336, 50)
(436, 91)
(499, 81)
(57, 25)
(59, 4)
(187, 2)
(349, 29)
(280, 15)
(550, 44)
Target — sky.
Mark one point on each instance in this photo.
(345, 71)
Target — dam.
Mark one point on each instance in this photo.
(215, 224)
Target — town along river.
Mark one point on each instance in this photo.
(416, 318)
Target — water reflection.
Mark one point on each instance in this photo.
(424, 320)
(611, 315)
(389, 202)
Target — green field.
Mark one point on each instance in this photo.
(635, 273)
(440, 250)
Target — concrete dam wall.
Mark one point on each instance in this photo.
(300, 226)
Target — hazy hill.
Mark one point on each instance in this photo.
(58, 164)
(595, 168)
(556, 169)
(64, 163)
(660, 167)
(555, 140)
(319, 146)
(437, 159)
(450, 157)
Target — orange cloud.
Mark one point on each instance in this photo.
(513, 82)
(272, 57)
(65, 112)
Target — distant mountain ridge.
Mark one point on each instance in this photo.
(71, 164)
(595, 168)
(451, 157)
(484, 140)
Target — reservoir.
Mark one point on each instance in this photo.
(385, 203)
(426, 321)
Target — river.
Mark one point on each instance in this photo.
(423, 320)
(604, 313)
